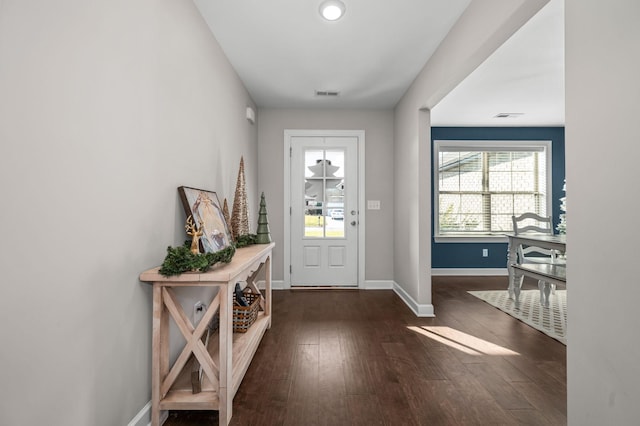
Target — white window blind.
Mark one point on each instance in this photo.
(479, 185)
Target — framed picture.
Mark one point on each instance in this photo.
(205, 209)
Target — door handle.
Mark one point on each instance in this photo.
(353, 223)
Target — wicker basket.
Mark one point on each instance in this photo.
(245, 316)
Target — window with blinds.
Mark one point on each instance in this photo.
(479, 185)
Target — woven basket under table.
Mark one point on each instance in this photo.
(245, 316)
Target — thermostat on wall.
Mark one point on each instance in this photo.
(251, 115)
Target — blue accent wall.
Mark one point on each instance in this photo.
(469, 255)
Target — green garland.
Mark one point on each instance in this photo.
(180, 259)
(246, 240)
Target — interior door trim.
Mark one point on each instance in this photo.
(288, 135)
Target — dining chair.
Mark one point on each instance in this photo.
(534, 223)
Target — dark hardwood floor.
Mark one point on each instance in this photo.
(339, 357)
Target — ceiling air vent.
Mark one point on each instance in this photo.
(329, 93)
(508, 115)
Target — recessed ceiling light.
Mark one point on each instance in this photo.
(332, 10)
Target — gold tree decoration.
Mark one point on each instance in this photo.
(225, 213)
(240, 214)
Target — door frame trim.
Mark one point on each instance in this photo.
(359, 134)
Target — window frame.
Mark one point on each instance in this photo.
(483, 146)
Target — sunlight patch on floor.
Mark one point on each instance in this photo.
(462, 341)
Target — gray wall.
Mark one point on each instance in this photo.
(602, 150)
(105, 109)
(483, 27)
(378, 127)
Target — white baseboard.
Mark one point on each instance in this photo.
(424, 310)
(275, 285)
(377, 285)
(143, 418)
(367, 285)
(479, 272)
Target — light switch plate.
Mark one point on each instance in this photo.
(373, 204)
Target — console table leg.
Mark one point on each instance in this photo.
(159, 360)
(267, 292)
(225, 391)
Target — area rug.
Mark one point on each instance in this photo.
(552, 321)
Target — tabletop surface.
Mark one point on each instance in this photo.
(556, 238)
(219, 272)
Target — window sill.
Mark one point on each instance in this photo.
(471, 239)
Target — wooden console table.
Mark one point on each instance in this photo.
(226, 359)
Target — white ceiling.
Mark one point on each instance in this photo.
(284, 51)
(525, 75)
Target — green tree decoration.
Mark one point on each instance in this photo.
(239, 214)
(263, 236)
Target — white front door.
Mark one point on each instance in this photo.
(324, 211)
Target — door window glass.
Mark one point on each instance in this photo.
(324, 193)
